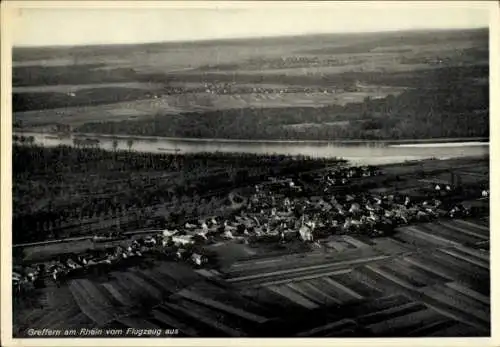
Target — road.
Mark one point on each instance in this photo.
(80, 238)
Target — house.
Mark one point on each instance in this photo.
(437, 184)
(150, 241)
(16, 278)
(306, 233)
(183, 239)
(169, 233)
(181, 253)
(199, 259)
(228, 234)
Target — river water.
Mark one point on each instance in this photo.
(360, 153)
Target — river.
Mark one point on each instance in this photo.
(367, 153)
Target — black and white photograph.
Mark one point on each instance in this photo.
(247, 170)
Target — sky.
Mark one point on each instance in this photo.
(62, 23)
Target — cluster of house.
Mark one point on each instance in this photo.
(344, 175)
(86, 142)
(234, 88)
(167, 242)
(272, 213)
(272, 210)
(322, 216)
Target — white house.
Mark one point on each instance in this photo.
(198, 259)
(306, 233)
(183, 239)
(169, 233)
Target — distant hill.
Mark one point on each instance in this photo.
(407, 84)
(339, 39)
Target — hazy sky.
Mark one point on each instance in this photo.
(72, 26)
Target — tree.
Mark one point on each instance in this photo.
(115, 144)
(30, 140)
(130, 143)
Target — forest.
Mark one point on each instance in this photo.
(88, 97)
(437, 112)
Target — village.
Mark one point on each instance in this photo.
(204, 172)
(280, 211)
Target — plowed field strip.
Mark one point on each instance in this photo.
(469, 292)
(221, 306)
(339, 264)
(465, 230)
(319, 274)
(330, 326)
(405, 321)
(342, 288)
(205, 317)
(89, 306)
(466, 258)
(173, 322)
(292, 296)
(474, 225)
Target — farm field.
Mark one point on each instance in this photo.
(77, 87)
(426, 280)
(183, 103)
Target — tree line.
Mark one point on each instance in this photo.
(451, 111)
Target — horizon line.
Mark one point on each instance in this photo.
(228, 39)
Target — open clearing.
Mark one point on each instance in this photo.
(193, 102)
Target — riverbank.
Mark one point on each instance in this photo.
(249, 141)
(356, 151)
